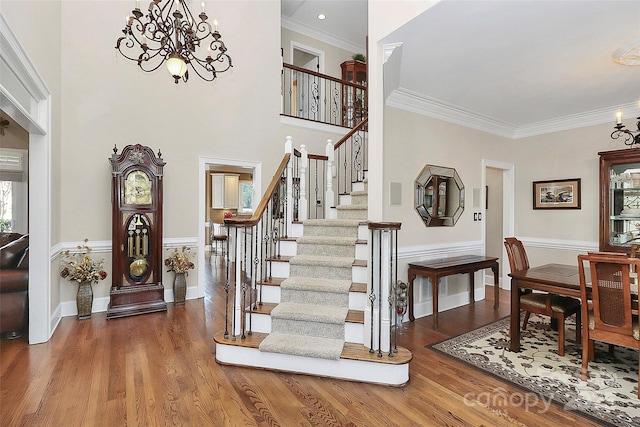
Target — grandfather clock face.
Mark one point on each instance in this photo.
(137, 188)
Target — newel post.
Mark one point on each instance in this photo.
(288, 149)
(302, 204)
(329, 195)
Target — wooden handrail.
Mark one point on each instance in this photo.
(266, 198)
(349, 134)
(384, 225)
(324, 76)
(317, 157)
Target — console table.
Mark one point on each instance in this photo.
(435, 269)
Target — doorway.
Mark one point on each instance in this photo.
(498, 185)
(307, 88)
(206, 165)
(21, 80)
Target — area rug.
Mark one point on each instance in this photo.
(609, 395)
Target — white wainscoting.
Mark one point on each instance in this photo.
(103, 247)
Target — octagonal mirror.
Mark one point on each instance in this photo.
(439, 196)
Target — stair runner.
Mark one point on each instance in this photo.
(310, 319)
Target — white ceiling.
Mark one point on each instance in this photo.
(514, 68)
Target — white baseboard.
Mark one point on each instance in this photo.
(100, 305)
(425, 308)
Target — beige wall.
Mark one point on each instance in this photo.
(108, 101)
(411, 142)
(567, 154)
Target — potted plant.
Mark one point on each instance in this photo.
(359, 57)
(82, 268)
(179, 262)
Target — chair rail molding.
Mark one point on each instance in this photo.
(567, 245)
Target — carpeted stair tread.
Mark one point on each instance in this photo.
(327, 240)
(310, 313)
(324, 261)
(316, 284)
(351, 207)
(324, 348)
(332, 222)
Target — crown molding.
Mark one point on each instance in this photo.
(296, 26)
(574, 121)
(388, 50)
(431, 107)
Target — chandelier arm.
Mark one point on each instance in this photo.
(627, 137)
(203, 27)
(145, 57)
(205, 77)
(208, 64)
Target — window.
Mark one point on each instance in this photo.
(6, 206)
(13, 190)
(246, 196)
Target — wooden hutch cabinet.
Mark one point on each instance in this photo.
(619, 199)
(354, 99)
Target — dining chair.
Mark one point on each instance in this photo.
(607, 306)
(555, 306)
(218, 235)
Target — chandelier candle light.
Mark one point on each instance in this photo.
(630, 137)
(170, 33)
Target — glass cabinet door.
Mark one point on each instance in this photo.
(624, 203)
(620, 200)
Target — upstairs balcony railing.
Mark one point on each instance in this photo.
(321, 98)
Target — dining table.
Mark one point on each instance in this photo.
(559, 279)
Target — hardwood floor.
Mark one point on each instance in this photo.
(160, 369)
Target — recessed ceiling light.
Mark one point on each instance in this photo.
(321, 16)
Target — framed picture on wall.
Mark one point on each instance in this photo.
(557, 194)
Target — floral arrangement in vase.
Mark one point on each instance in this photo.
(81, 267)
(179, 261)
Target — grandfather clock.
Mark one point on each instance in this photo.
(136, 199)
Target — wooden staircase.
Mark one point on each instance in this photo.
(357, 362)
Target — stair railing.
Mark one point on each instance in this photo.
(321, 98)
(347, 163)
(252, 245)
(384, 295)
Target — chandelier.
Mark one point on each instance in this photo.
(630, 137)
(170, 33)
